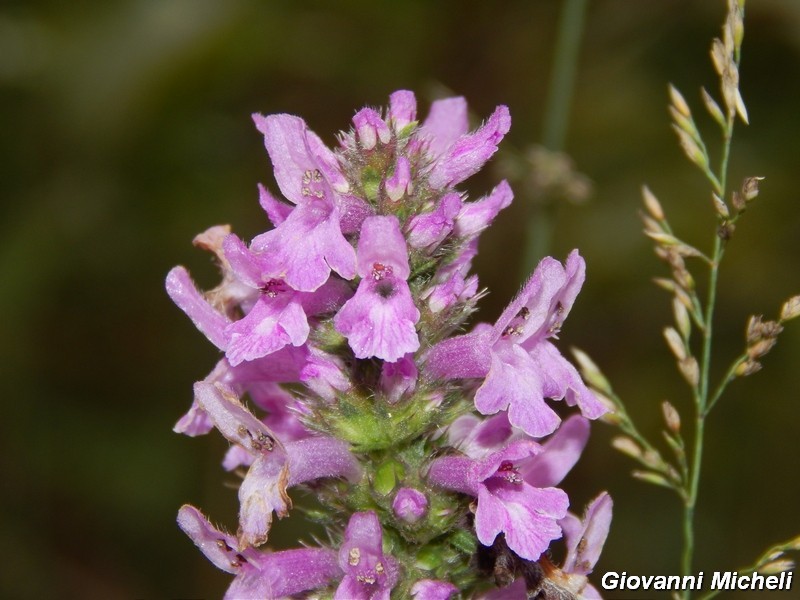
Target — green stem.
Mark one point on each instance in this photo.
(556, 118)
(701, 398)
(562, 79)
(729, 376)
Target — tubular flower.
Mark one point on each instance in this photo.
(379, 319)
(519, 364)
(512, 478)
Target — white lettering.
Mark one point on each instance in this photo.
(721, 581)
(757, 581)
(610, 580)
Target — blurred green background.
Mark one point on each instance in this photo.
(126, 129)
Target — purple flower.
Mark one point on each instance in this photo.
(516, 591)
(370, 128)
(278, 315)
(304, 248)
(430, 229)
(451, 283)
(368, 573)
(399, 184)
(507, 504)
(283, 366)
(259, 575)
(520, 365)
(398, 378)
(430, 589)
(409, 505)
(275, 466)
(379, 319)
(277, 211)
(324, 374)
(465, 156)
(512, 477)
(282, 418)
(446, 123)
(585, 539)
(476, 216)
(402, 109)
(184, 293)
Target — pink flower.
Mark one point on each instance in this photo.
(278, 315)
(369, 574)
(308, 244)
(463, 156)
(430, 589)
(585, 539)
(275, 466)
(259, 575)
(379, 319)
(512, 478)
(520, 365)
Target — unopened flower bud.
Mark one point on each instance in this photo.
(790, 308)
(691, 148)
(761, 347)
(650, 477)
(718, 56)
(725, 231)
(690, 370)
(671, 417)
(713, 108)
(720, 206)
(400, 182)
(753, 329)
(664, 283)
(778, 566)
(590, 371)
(750, 187)
(748, 367)
(681, 315)
(652, 204)
(675, 342)
(370, 127)
(409, 505)
(738, 201)
(678, 102)
(627, 446)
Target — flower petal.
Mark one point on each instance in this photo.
(382, 242)
(559, 454)
(446, 122)
(270, 325)
(306, 246)
(402, 108)
(184, 293)
(470, 152)
(379, 320)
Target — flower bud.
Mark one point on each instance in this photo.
(671, 417)
(678, 102)
(409, 505)
(750, 187)
(400, 182)
(790, 308)
(370, 128)
(627, 446)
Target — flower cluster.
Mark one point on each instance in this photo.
(342, 373)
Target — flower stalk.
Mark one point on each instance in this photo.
(345, 374)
